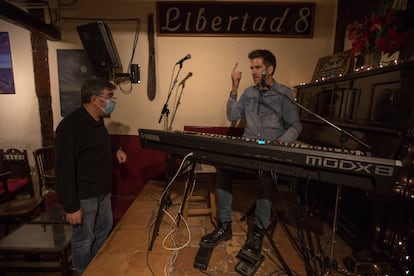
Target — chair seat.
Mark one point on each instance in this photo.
(15, 184)
(19, 208)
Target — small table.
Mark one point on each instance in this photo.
(37, 247)
(52, 215)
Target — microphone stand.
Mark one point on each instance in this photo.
(341, 130)
(166, 199)
(165, 111)
(176, 106)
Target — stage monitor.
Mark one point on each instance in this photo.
(100, 47)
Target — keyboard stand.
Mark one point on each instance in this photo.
(166, 201)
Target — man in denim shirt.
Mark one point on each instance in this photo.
(270, 115)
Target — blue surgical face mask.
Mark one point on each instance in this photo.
(109, 106)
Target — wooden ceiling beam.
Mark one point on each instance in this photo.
(14, 15)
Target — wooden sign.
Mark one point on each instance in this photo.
(236, 19)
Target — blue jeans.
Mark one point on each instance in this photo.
(89, 236)
(224, 198)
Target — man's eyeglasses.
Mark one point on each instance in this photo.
(108, 98)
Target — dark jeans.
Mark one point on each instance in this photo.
(89, 236)
(224, 195)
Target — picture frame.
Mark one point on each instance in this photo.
(6, 66)
(74, 68)
(335, 65)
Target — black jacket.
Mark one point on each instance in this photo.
(83, 159)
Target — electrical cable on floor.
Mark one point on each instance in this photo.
(176, 248)
(152, 221)
(204, 272)
(168, 267)
(173, 231)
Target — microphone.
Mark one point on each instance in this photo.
(263, 80)
(184, 59)
(186, 78)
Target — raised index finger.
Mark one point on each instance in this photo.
(235, 66)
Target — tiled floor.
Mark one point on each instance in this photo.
(175, 247)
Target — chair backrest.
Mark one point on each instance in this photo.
(45, 159)
(16, 161)
(45, 164)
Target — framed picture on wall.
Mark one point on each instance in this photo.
(333, 66)
(6, 68)
(73, 69)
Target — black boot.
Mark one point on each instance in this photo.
(221, 233)
(254, 240)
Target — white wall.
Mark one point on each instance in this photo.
(205, 93)
(19, 119)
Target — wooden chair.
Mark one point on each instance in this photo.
(205, 204)
(18, 203)
(45, 165)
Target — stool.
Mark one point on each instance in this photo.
(205, 174)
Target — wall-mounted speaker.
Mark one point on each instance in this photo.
(100, 48)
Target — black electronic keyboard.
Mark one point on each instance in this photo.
(331, 165)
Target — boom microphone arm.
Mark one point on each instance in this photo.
(341, 130)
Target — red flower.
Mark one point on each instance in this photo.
(390, 17)
(381, 32)
(391, 42)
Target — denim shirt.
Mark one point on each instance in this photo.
(269, 115)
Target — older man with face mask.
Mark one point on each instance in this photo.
(84, 170)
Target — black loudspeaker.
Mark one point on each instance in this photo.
(100, 47)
